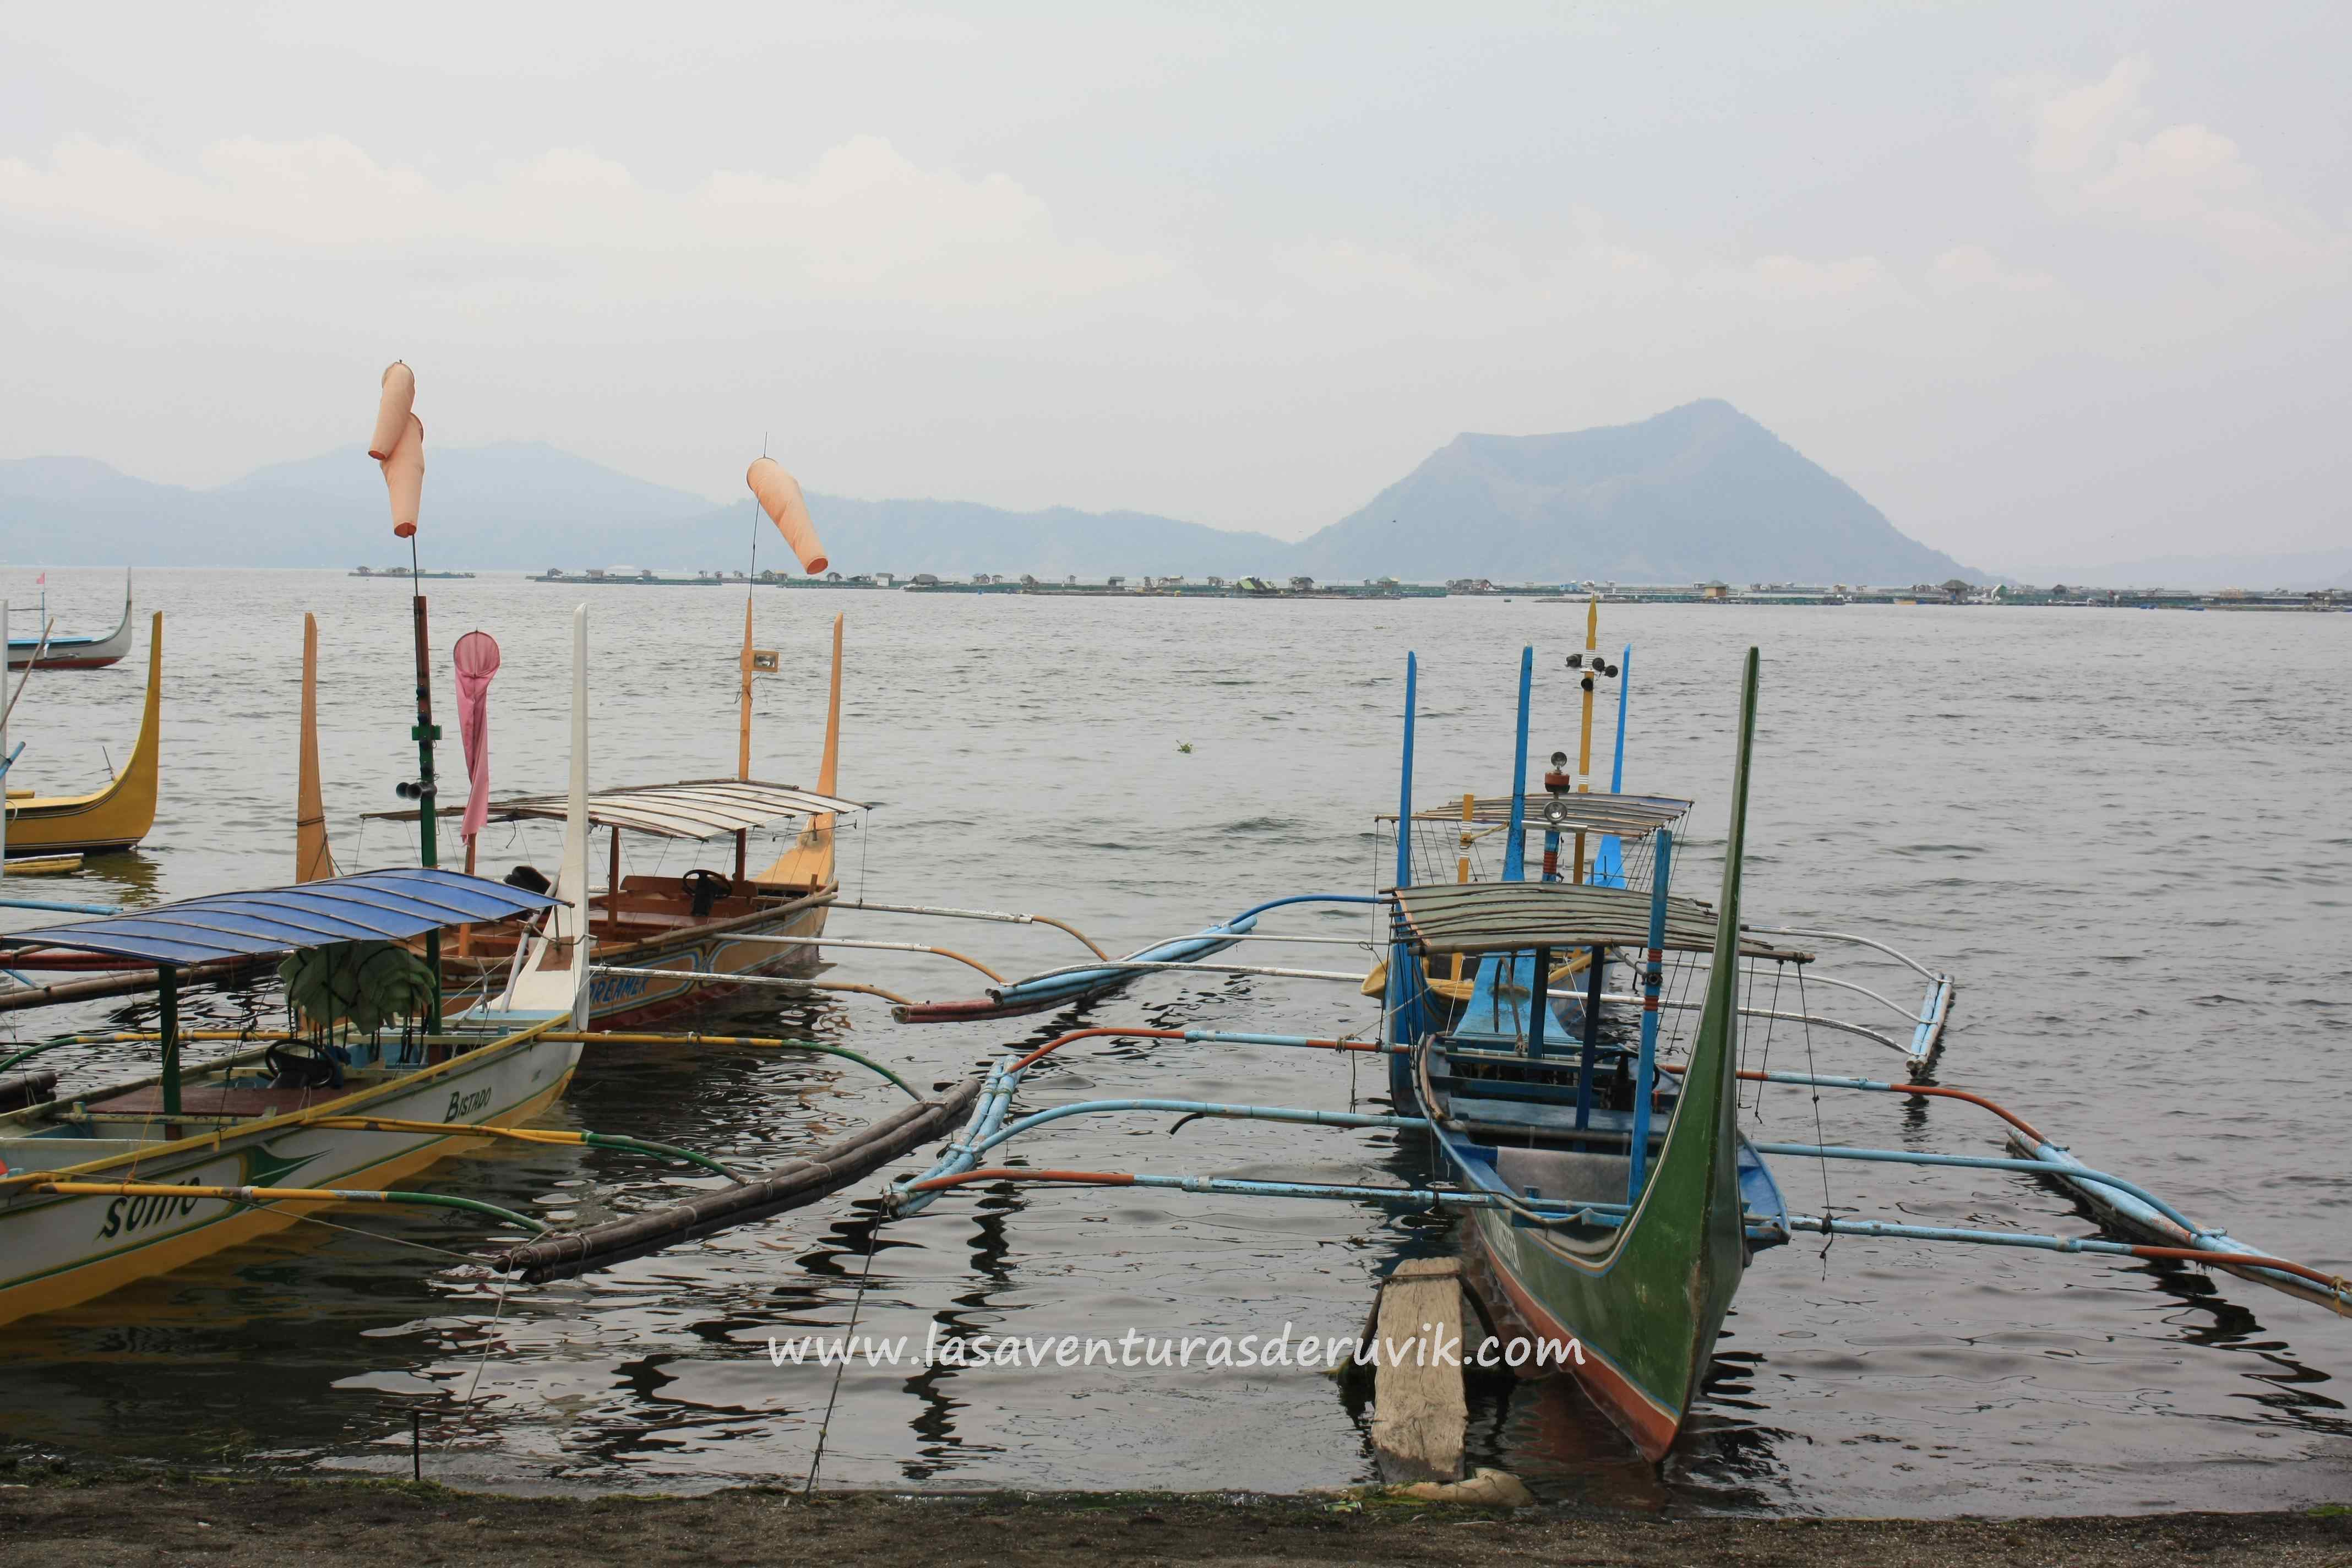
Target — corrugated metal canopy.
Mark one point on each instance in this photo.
(1627, 815)
(696, 808)
(370, 906)
(1471, 918)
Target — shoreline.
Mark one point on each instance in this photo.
(53, 1514)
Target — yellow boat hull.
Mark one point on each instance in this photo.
(60, 1251)
(115, 818)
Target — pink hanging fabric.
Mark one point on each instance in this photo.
(475, 658)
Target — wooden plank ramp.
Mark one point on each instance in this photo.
(1419, 1409)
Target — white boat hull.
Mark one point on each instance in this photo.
(57, 1251)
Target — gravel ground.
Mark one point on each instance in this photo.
(72, 1520)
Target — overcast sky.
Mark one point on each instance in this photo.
(2047, 283)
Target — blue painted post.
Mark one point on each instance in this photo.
(1609, 860)
(1405, 1006)
(1515, 853)
(1617, 768)
(1646, 1065)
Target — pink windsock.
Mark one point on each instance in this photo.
(404, 476)
(475, 660)
(393, 409)
(780, 497)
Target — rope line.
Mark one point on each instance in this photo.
(489, 1337)
(856, 1305)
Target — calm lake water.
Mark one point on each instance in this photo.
(2127, 833)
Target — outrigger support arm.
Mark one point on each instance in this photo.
(1989, 1162)
(2336, 1290)
(999, 916)
(1189, 1109)
(531, 1135)
(1003, 1080)
(1402, 1197)
(781, 939)
(1203, 965)
(750, 1042)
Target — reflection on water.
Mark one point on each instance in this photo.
(2158, 979)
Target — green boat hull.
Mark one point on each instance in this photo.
(1632, 1310)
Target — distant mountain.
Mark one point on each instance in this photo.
(518, 504)
(1700, 491)
(2309, 569)
(1696, 492)
(961, 536)
(529, 506)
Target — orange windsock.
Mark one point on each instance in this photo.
(404, 476)
(391, 411)
(780, 497)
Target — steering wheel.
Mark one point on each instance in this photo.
(306, 1067)
(704, 888)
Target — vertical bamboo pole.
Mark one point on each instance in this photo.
(1584, 738)
(743, 723)
(1591, 1056)
(167, 991)
(1462, 864)
(1403, 1005)
(1540, 996)
(425, 733)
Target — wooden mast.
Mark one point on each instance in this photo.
(314, 857)
(808, 864)
(830, 766)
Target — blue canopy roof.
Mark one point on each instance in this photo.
(371, 906)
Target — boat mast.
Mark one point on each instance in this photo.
(1617, 766)
(425, 733)
(743, 738)
(743, 730)
(1403, 1019)
(1515, 850)
(314, 857)
(1584, 738)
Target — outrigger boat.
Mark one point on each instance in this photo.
(47, 652)
(145, 1176)
(1612, 1204)
(701, 924)
(142, 1177)
(115, 817)
(664, 946)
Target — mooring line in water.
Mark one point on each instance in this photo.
(379, 1236)
(856, 1305)
(496, 1318)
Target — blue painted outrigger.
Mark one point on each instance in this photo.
(1609, 1197)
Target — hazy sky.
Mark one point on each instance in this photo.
(2048, 283)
